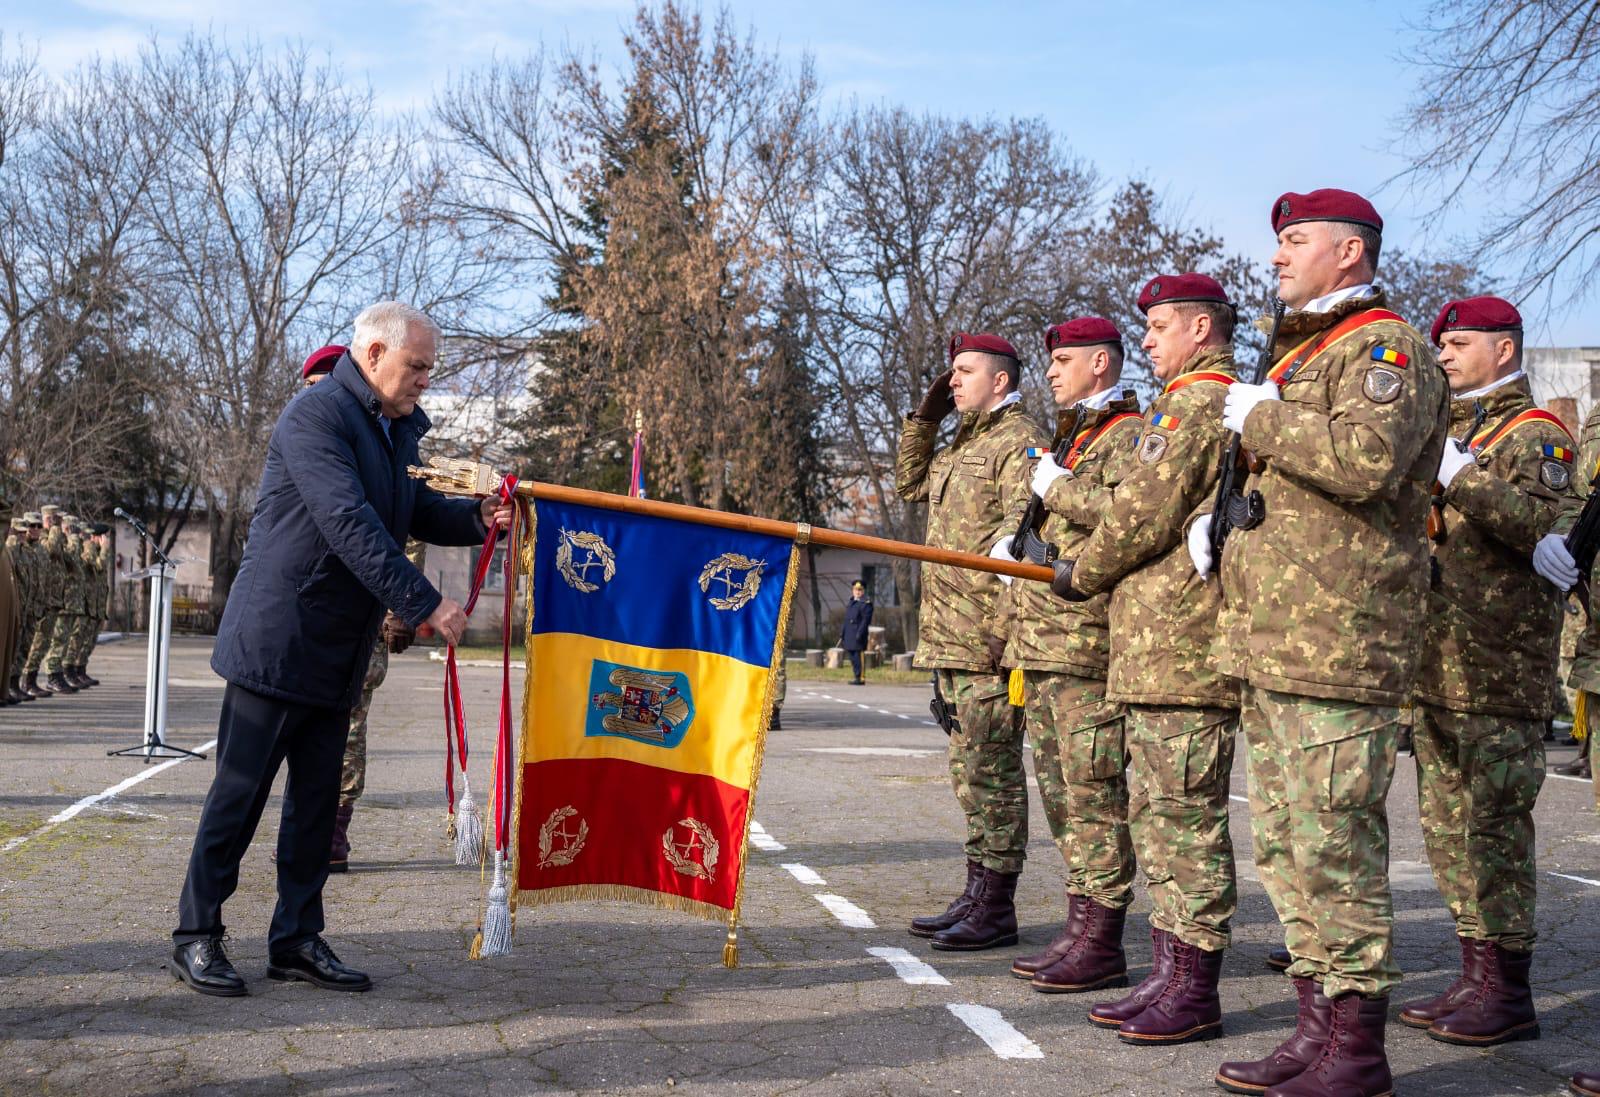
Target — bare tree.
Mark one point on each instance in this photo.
(1510, 110)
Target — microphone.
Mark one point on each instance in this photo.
(120, 513)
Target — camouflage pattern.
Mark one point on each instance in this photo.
(353, 774)
(1585, 674)
(96, 602)
(1181, 758)
(1320, 771)
(1478, 776)
(24, 563)
(972, 487)
(1493, 629)
(986, 768)
(1079, 759)
(1049, 633)
(1322, 599)
(1163, 617)
(52, 591)
(72, 605)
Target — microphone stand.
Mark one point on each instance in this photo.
(161, 575)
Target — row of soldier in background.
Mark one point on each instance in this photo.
(54, 596)
(1308, 608)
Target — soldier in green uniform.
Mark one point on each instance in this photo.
(1181, 713)
(27, 559)
(1063, 649)
(1324, 580)
(1487, 679)
(53, 590)
(973, 487)
(72, 608)
(88, 625)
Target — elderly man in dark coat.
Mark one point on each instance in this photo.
(323, 561)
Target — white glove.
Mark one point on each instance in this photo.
(1200, 545)
(1241, 399)
(1455, 458)
(1552, 560)
(1045, 473)
(1002, 551)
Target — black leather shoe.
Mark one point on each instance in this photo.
(205, 967)
(315, 962)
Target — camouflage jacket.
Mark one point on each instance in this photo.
(73, 598)
(1325, 596)
(53, 570)
(35, 561)
(1049, 633)
(22, 570)
(1586, 660)
(1493, 630)
(971, 487)
(1163, 616)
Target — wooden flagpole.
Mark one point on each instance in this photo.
(452, 477)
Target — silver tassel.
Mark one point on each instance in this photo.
(497, 915)
(468, 827)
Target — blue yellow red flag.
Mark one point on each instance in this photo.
(653, 652)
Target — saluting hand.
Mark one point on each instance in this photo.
(938, 401)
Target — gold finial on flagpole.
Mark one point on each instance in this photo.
(638, 422)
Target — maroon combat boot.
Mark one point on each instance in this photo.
(1112, 1014)
(1095, 959)
(1501, 1009)
(1423, 1013)
(57, 683)
(992, 920)
(1300, 1050)
(1024, 966)
(1352, 1063)
(1188, 1007)
(31, 686)
(15, 691)
(339, 850)
(83, 672)
(957, 910)
(1585, 1084)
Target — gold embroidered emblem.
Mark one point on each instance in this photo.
(681, 854)
(1381, 385)
(552, 855)
(1554, 475)
(595, 554)
(735, 594)
(643, 706)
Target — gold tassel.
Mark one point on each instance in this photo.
(476, 951)
(1580, 716)
(1014, 688)
(730, 950)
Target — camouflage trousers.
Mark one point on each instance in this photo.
(30, 626)
(986, 769)
(1079, 760)
(1319, 777)
(1181, 760)
(44, 632)
(58, 655)
(81, 641)
(353, 777)
(1477, 779)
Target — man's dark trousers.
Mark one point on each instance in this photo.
(255, 735)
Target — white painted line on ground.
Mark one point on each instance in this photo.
(887, 752)
(806, 876)
(909, 968)
(764, 841)
(884, 712)
(902, 716)
(100, 797)
(1577, 879)
(995, 1031)
(843, 701)
(1236, 796)
(1569, 777)
(930, 723)
(860, 705)
(850, 916)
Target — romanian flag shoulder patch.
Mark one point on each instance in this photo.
(1164, 421)
(1033, 453)
(1560, 453)
(1390, 357)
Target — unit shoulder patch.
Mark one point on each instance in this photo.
(1151, 447)
(1381, 385)
(1555, 475)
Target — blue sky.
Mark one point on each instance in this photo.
(1221, 106)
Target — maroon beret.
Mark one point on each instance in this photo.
(1085, 331)
(321, 361)
(1477, 314)
(1167, 289)
(963, 341)
(1324, 205)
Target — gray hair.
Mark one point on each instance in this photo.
(1371, 240)
(387, 322)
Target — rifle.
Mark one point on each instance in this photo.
(1231, 509)
(1026, 541)
(1584, 539)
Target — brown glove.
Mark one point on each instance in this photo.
(396, 633)
(937, 402)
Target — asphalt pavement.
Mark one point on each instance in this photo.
(858, 833)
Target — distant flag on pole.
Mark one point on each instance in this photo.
(636, 477)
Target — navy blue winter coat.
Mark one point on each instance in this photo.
(324, 556)
(857, 616)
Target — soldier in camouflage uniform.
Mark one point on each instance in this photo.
(27, 558)
(68, 620)
(1063, 649)
(972, 487)
(1181, 713)
(99, 600)
(53, 592)
(1584, 677)
(1322, 591)
(94, 605)
(1489, 656)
